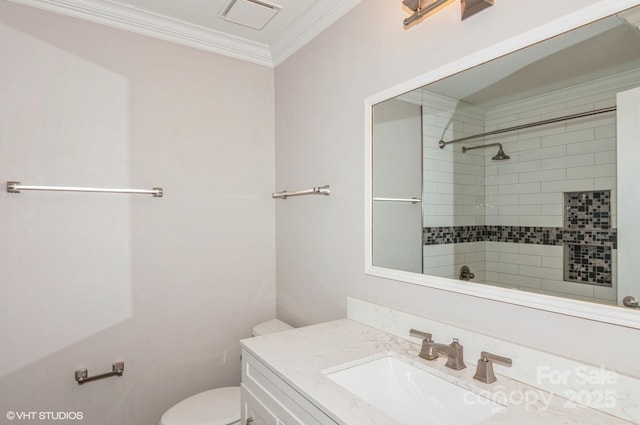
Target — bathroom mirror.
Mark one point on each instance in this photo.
(507, 175)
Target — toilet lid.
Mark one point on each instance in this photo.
(220, 406)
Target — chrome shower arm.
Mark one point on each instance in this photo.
(465, 149)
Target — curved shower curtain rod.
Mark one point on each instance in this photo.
(442, 143)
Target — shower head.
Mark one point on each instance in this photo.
(500, 155)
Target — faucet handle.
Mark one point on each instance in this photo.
(485, 356)
(484, 372)
(427, 350)
(426, 336)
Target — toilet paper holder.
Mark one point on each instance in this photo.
(82, 375)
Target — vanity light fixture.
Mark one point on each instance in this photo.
(422, 7)
(471, 7)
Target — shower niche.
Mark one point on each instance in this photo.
(588, 238)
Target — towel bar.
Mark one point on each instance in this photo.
(320, 190)
(17, 187)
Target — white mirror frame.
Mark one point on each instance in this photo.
(582, 309)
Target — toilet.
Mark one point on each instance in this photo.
(220, 406)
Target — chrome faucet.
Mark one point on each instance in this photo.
(431, 349)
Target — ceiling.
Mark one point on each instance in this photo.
(601, 49)
(199, 24)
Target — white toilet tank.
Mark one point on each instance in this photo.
(270, 326)
(220, 406)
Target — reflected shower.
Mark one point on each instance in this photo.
(500, 156)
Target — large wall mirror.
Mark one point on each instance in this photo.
(515, 179)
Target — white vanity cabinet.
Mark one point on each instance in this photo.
(268, 400)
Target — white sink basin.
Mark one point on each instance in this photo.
(412, 396)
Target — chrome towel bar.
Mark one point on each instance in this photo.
(82, 375)
(320, 190)
(412, 200)
(17, 187)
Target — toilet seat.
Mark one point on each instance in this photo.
(220, 406)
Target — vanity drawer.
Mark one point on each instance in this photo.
(253, 411)
(289, 406)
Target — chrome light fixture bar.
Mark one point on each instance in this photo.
(418, 10)
(469, 8)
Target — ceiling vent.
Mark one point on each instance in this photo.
(250, 13)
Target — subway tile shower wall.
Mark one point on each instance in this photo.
(506, 219)
(587, 237)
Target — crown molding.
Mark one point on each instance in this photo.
(157, 26)
(180, 32)
(307, 28)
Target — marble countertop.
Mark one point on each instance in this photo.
(299, 356)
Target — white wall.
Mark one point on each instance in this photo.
(320, 130)
(397, 152)
(628, 152)
(167, 285)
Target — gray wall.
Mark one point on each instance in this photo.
(168, 285)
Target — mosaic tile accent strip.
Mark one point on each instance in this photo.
(453, 234)
(524, 234)
(587, 210)
(518, 234)
(588, 264)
